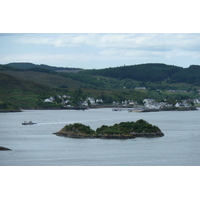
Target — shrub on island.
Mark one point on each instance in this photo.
(76, 130)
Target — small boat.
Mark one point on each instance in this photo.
(28, 123)
(116, 109)
(136, 110)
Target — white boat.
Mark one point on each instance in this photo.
(28, 123)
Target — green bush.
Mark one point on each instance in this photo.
(128, 127)
(123, 128)
(79, 127)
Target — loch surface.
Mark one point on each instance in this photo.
(35, 145)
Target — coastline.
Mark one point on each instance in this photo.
(130, 109)
(6, 111)
(109, 136)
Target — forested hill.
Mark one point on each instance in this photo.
(26, 65)
(150, 72)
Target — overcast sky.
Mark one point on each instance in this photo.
(91, 50)
(100, 34)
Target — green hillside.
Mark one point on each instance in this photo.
(29, 87)
(20, 93)
(25, 65)
(153, 72)
(46, 79)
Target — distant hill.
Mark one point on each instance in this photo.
(26, 65)
(152, 72)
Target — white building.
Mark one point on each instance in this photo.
(99, 101)
(140, 88)
(196, 100)
(90, 99)
(148, 101)
(182, 105)
(50, 99)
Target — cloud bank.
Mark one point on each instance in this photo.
(119, 48)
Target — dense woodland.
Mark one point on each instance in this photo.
(151, 72)
(26, 85)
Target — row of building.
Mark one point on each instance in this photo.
(148, 103)
(65, 99)
(152, 104)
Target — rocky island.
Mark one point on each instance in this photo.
(4, 148)
(123, 130)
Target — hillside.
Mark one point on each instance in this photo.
(29, 87)
(153, 72)
(47, 79)
(25, 65)
(15, 92)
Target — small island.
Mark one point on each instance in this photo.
(4, 148)
(123, 130)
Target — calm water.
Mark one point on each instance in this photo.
(36, 145)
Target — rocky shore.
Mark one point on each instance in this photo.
(109, 136)
(81, 135)
(5, 111)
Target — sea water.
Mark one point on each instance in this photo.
(35, 145)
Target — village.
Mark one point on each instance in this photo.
(147, 104)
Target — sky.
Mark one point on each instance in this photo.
(100, 34)
(100, 50)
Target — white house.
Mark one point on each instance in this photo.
(148, 101)
(90, 99)
(50, 99)
(151, 104)
(181, 105)
(140, 88)
(196, 100)
(99, 101)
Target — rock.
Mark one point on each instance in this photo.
(149, 135)
(4, 148)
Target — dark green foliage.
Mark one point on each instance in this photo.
(77, 98)
(153, 72)
(189, 75)
(27, 66)
(122, 129)
(77, 127)
(143, 72)
(128, 127)
(89, 81)
(7, 106)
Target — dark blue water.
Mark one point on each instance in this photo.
(35, 145)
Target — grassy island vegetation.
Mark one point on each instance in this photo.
(123, 130)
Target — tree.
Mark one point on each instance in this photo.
(77, 98)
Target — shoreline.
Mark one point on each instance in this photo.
(109, 106)
(109, 136)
